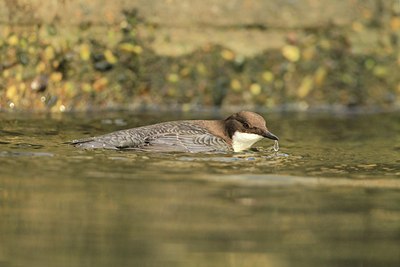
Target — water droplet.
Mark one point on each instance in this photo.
(276, 146)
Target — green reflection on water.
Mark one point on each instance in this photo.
(329, 197)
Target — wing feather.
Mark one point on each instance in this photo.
(182, 136)
(183, 142)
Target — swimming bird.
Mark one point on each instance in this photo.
(236, 133)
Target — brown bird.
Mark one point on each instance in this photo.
(236, 133)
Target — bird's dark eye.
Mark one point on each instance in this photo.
(246, 125)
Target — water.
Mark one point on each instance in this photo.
(276, 146)
(329, 197)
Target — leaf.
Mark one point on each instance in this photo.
(236, 85)
(109, 56)
(84, 52)
(127, 47)
(291, 53)
(255, 88)
(13, 40)
(320, 76)
(305, 87)
(268, 76)
(49, 53)
(228, 55)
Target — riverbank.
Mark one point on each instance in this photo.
(137, 60)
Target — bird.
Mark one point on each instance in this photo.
(236, 133)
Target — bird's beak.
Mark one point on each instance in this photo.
(270, 135)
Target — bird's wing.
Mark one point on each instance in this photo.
(115, 140)
(184, 142)
(182, 136)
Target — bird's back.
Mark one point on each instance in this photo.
(180, 136)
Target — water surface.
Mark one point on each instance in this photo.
(329, 197)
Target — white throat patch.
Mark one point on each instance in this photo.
(243, 141)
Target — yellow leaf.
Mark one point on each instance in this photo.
(291, 53)
(100, 84)
(127, 47)
(56, 76)
(87, 87)
(22, 87)
(18, 76)
(6, 73)
(108, 54)
(236, 85)
(41, 67)
(186, 107)
(84, 52)
(320, 75)
(268, 76)
(12, 92)
(173, 77)
(201, 68)
(228, 55)
(308, 53)
(357, 26)
(395, 23)
(13, 40)
(305, 87)
(255, 88)
(70, 89)
(185, 72)
(32, 38)
(137, 49)
(380, 71)
(55, 64)
(325, 44)
(49, 53)
(31, 50)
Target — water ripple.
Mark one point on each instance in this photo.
(9, 154)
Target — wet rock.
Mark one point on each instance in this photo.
(100, 62)
(39, 84)
(23, 58)
(103, 65)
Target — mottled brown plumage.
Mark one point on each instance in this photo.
(185, 136)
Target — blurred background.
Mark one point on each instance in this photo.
(76, 55)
